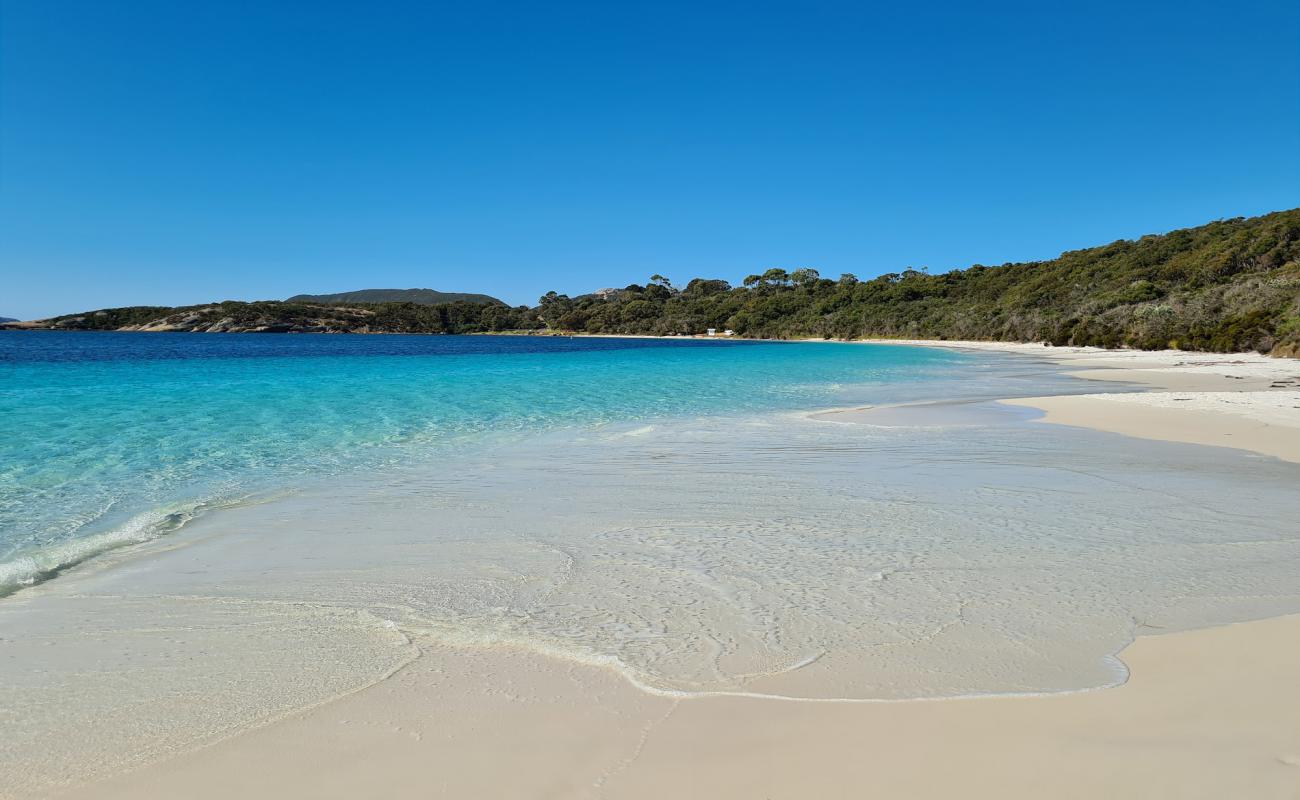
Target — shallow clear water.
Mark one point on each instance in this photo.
(112, 438)
(666, 509)
(784, 555)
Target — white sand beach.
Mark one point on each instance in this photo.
(1207, 714)
(1204, 714)
(1240, 400)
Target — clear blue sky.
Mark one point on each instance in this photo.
(164, 152)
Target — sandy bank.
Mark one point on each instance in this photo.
(1198, 719)
(1161, 369)
(1262, 422)
(1241, 400)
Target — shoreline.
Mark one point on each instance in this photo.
(1244, 401)
(442, 723)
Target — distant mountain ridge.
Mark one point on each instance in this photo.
(8, 319)
(424, 297)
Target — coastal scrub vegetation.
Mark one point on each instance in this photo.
(274, 316)
(1229, 286)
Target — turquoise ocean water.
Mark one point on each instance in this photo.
(115, 438)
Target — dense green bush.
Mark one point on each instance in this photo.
(1232, 285)
(275, 316)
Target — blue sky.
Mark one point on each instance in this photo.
(168, 153)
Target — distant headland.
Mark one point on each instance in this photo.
(1229, 286)
(424, 297)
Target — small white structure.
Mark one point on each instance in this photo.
(728, 332)
(714, 332)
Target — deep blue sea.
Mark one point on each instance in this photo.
(113, 438)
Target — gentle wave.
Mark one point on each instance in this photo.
(39, 564)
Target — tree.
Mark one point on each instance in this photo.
(552, 307)
(662, 281)
(704, 287)
(805, 277)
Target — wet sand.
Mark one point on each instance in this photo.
(1206, 714)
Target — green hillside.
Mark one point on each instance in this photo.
(1231, 285)
(273, 316)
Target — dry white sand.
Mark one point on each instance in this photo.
(1205, 714)
(1241, 400)
(1159, 369)
(1263, 422)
